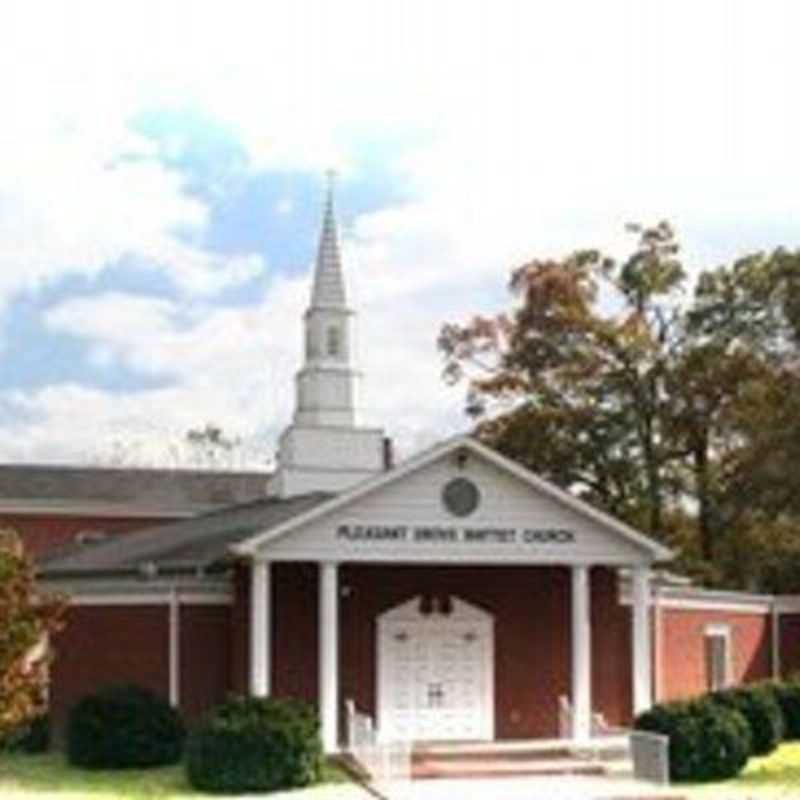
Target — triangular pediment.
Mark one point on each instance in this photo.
(458, 503)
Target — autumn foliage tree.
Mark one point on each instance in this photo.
(27, 617)
(659, 399)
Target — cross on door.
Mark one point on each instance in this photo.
(435, 695)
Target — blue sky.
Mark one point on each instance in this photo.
(161, 183)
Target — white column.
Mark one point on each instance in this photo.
(260, 629)
(581, 655)
(642, 658)
(329, 656)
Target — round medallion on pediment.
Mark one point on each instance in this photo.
(461, 497)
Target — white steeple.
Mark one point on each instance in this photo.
(323, 449)
(326, 385)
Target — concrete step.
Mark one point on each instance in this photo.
(477, 769)
(494, 763)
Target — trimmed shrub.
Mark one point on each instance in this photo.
(123, 726)
(30, 737)
(707, 741)
(788, 698)
(255, 745)
(760, 708)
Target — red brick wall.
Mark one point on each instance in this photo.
(44, 532)
(239, 638)
(532, 636)
(683, 659)
(611, 650)
(204, 657)
(295, 605)
(109, 644)
(295, 610)
(790, 644)
(532, 640)
(113, 644)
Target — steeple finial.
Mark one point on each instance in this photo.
(328, 287)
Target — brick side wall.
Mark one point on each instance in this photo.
(239, 636)
(115, 644)
(683, 658)
(204, 657)
(44, 532)
(790, 644)
(612, 659)
(295, 607)
(110, 644)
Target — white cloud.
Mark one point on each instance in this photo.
(526, 129)
(217, 365)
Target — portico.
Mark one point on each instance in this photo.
(505, 551)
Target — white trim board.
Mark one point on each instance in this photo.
(152, 599)
(733, 605)
(27, 508)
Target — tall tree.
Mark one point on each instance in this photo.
(609, 378)
(580, 366)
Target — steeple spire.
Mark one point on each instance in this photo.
(328, 287)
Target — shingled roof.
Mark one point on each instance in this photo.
(152, 490)
(197, 543)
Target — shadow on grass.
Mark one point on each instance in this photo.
(24, 776)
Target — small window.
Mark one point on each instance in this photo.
(718, 657)
(334, 343)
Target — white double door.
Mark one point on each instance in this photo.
(436, 673)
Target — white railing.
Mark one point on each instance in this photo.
(649, 752)
(386, 766)
(599, 726)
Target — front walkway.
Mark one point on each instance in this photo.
(577, 787)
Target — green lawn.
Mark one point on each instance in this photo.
(776, 775)
(24, 777)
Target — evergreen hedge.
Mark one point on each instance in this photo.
(759, 706)
(787, 696)
(123, 726)
(255, 745)
(707, 741)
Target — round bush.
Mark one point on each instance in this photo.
(788, 698)
(123, 726)
(707, 741)
(255, 745)
(760, 708)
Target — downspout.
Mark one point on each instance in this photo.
(776, 639)
(174, 648)
(657, 644)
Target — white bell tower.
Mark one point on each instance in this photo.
(323, 449)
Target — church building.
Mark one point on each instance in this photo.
(455, 596)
